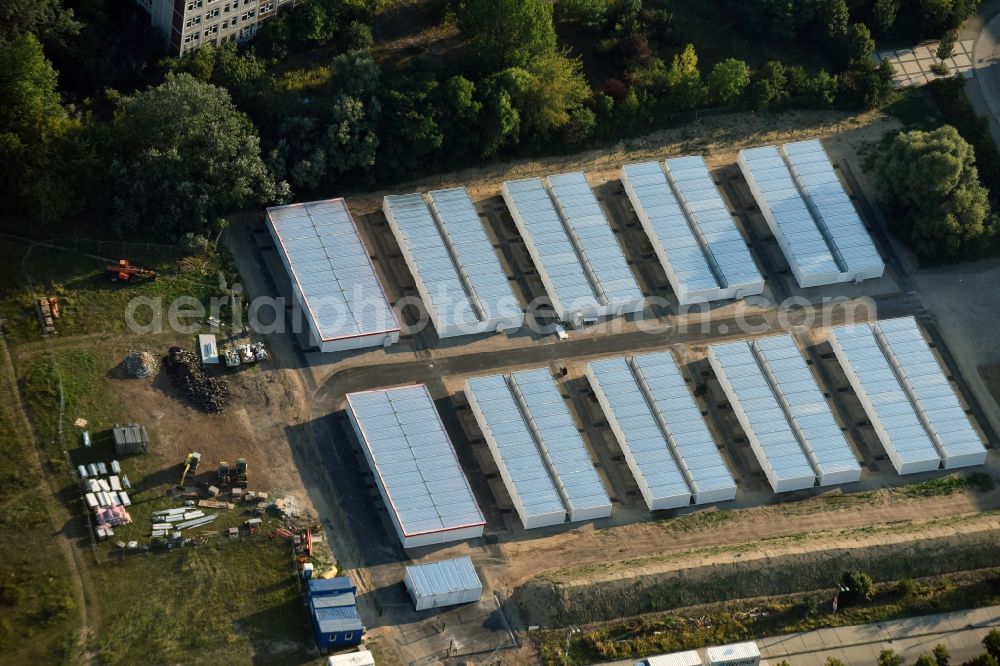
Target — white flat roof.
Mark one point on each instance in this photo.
(331, 269)
(413, 460)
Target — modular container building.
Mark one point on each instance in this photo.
(359, 658)
(736, 654)
(810, 214)
(909, 400)
(332, 276)
(661, 431)
(760, 414)
(691, 230)
(442, 583)
(689, 658)
(578, 257)
(333, 612)
(453, 263)
(207, 349)
(534, 427)
(890, 410)
(414, 465)
(806, 410)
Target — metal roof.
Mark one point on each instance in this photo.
(713, 224)
(763, 420)
(689, 658)
(668, 229)
(641, 435)
(735, 651)
(595, 243)
(331, 269)
(886, 402)
(933, 395)
(807, 410)
(544, 233)
(779, 198)
(696, 450)
(447, 297)
(333, 605)
(443, 577)
(414, 461)
(515, 451)
(459, 223)
(833, 210)
(561, 445)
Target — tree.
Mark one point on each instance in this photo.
(508, 33)
(502, 122)
(409, 134)
(865, 85)
(684, 81)
(833, 661)
(889, 658)
(925, 660)
(947, 45)
(930, 184)
(556, 88)
(48, 19)
(858, 43)
(835, 16)
(728, 80)
(590, 13)
(770, 87)
(985, 659)
(185, 157)
(859, 588)
(992, 643)
(460, 113)
(942, 657)
(884, 15)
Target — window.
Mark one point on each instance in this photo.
(211, 30)
(212, 14)
(187, 39)
(194, 4)
(226, 9)
(348, 636)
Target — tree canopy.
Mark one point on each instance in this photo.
(930, 184)
(508, 33)
(185, 156)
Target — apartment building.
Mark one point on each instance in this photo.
(188, 24)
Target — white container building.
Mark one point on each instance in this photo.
(540, 430)
(442, 583)
(661, 431)
(578, 257)
(332, 276)
(359, 658)
(736, 654)
(414, 465)
(515, 451)
(807, 410)
(771, 436)
(689, 658)
(454, 265)
(207, 349)
(889, 408)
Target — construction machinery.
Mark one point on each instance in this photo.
(123, 271)
(239, 476)
(224, 480)
(190, 466)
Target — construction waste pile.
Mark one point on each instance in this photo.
(245, 354)
(106, 497)
(141, 364)
(188, 375)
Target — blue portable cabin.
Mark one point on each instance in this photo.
(334, 613)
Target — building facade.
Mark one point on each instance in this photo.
(188, 24)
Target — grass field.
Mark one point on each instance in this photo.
(691, 628)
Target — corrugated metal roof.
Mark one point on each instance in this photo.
(443, 577)
(754, 401)
(689, 658)
(747, 650)
(833, 210)
(414, 460)
(888, 406)
(337, 619)
(805, 247)
(807, 410)
(331, 268)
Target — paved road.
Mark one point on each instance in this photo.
(961, 632)
(985, 88)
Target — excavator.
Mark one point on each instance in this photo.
(190, 466)
(123, 271)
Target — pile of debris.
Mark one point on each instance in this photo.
(141, 364)
(206, 393)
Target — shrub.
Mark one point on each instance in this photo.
(859, 588)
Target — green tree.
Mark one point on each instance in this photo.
(859, 588)
(48, 19)
(930, 184)
(865, 85)
(884, 15)
(185, 157)
(770, 86)
(553, 90)
(992, 643)
(985, 659)
(508, 33)
(925, 660)
(835, 16)
(501, 121)
(833, 661)
(858, 43)
(947, 45)
(590, 13)
(684, 81)
(460, 114)
(409, 134)
(889, 658)
(942, 657)
(728, 80)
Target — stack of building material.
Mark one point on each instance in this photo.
(105, 497)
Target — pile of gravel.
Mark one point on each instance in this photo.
(141, 364)
(206, 393)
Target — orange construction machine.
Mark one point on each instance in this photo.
(125, 272)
